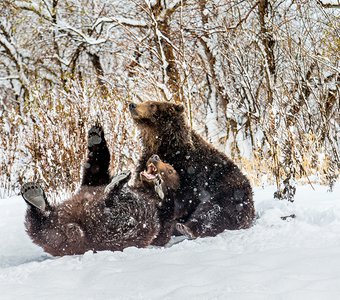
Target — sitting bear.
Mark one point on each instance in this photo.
(103, 215)
(214, 195)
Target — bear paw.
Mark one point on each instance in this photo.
(118, 180)
(185, 230)
(95, 135)
(34, 195)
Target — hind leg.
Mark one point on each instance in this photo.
(209, 219)
(38, 211)
(96, 169)
(202, 222)
(231, 209)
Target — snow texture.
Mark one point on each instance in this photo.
(275, 259)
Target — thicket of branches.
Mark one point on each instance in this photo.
(259, 79)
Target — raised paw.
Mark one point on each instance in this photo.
(34, 195)
(185, 230)
(118, 180)
(95, 135)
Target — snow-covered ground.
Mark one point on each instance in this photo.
(275, 259)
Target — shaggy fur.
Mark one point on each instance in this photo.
(214, 194)
(85, 222)
(96, 220)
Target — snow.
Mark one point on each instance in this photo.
(275, 259)
(62, 25)
(39, 9)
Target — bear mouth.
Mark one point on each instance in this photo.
(134, 114)
(150, 174)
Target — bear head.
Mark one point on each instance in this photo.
(161, 174)
(155, 114)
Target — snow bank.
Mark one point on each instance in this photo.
(275, 259)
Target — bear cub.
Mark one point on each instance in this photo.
(106, 214)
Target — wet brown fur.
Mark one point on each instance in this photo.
(95, 220)
(88, 221)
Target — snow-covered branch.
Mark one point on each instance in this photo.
(63, 26)
(121, 21)
(10, 77)
(14, 53)
(39, 9)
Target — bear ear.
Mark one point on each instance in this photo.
(179, 108)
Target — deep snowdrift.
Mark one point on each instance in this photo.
(275, 259)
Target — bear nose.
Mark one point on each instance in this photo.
(155, 157)
(132, 105)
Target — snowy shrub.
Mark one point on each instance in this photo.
(259, 79)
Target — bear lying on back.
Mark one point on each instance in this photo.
(214, 194)
(104, 215)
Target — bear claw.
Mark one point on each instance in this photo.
(117, 180)
(95, 135)
(34, 195)
(185, 230)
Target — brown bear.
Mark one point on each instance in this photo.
(214, 195)
(103, 215)
(164, 179)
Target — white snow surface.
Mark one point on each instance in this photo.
(275, 259)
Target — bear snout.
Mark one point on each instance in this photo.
(132, 106)
(154, 158)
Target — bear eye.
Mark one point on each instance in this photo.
(170, 172)
(152, 106)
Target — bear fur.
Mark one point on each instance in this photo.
(100, 219)
(169, 181)
(214, 195)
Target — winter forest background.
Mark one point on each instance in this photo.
(259, 79)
